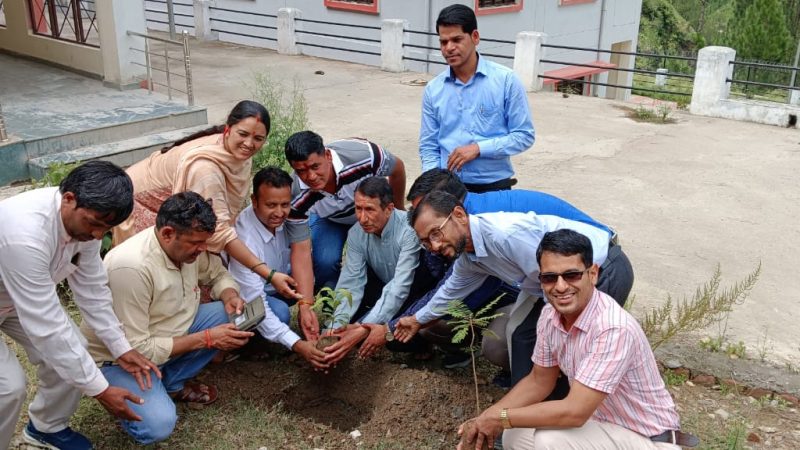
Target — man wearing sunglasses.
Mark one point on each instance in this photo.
(502, 245)
(617, 399)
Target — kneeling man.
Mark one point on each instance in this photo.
(617, 398)
(154, 278)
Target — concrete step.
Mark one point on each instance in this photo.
(123, 153)
(157, 118)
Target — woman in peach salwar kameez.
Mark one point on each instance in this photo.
(215, 163)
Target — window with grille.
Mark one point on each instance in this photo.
(68, 20)
(483, 7)
(493, 3)
(2, 15)
(369, 6)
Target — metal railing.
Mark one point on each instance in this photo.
(243, 22)
(169, 73)
(765, 81)
(3, 133)
(339, 36)
(427, 47)
(645, 63)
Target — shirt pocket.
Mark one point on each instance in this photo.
(489, 118)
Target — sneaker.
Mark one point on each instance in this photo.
(456, 360)
(66, 439)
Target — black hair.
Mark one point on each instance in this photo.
(303, 144)
(271, 176)
(441, 202)
(460, 15)
(102, 187)
(376, 187)
(185, 212)
(566, 242)
(242, 110)
(437, 180)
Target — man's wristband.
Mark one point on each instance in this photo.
(305, 302)
(504, 418)
(209, 342)
(262, 263)
(271, 273)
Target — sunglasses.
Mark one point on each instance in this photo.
(570, 276)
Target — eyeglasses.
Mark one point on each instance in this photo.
(570, 276)
(436, 235)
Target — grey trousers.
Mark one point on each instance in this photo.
(55, 400)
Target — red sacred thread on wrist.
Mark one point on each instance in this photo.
(209, 343)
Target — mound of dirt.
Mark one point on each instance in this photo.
(380, 398)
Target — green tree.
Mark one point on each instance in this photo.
(761, 33)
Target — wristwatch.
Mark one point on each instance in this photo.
(389, 336)
(504, 418)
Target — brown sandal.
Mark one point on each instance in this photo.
(194, 392)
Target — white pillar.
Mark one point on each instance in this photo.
(710, 85)
(287, 39)
(527, 56)
(202, 20)
(392, 34)
(114, 19)
(661, 78)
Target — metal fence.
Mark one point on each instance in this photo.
(763, 81)
(668, 77)
(227, 17)
(340, 27)
(157, 14)
(66, 20)
(157, 50)
(491, 53)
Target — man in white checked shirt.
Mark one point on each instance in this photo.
(617, 398)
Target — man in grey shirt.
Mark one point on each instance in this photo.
(383, 248)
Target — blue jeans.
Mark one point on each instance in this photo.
(158, 411)
(327, 242)
(280, 306)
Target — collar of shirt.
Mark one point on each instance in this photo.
(477, 240)
(482, 70)
(63, 237)
(586, 318)
(261, 229)
(337, 167)
(155, 246)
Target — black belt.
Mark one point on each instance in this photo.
(500, 185)
(676, 437)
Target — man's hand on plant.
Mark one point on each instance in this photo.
(311, 354)
(137, 365)
(285, 285)
(350, 337)
(375, 340)
(406, 328)
(228, 337)
(308, 322)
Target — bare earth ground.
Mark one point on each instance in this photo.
(685, 197)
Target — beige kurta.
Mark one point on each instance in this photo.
(201, 165)
(154, 299)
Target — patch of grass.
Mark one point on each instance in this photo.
(674, 379)
(659, 114)
(288, 112)
(55, 173)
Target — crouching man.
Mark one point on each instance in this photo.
(617, 398)
(154, 278)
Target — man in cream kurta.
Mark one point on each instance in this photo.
(154, 277)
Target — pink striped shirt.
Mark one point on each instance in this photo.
(607, 350)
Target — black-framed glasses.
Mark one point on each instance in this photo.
(570, 276)
(436, 235)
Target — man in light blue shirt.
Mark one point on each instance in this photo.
(493, 244)
(382, 246)
(475, 114)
